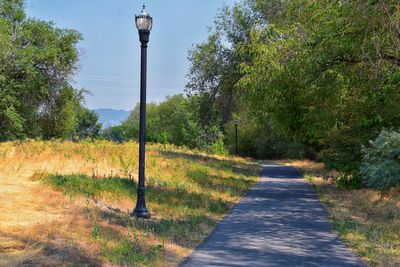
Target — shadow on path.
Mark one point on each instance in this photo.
(280, 222)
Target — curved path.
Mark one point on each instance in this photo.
(280, 222)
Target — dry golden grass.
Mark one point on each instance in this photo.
(43, 226)
(367, 219)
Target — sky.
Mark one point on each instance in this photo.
(110, 53)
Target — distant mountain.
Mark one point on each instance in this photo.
(111, 117)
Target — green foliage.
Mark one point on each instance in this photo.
(60, 120)
(96, 231)
(117, 134)
(37, 61)
(87, 124)
(169, 122)
(350, 181)
(330, 81)
(381, 161)
(214, 71)
(317, 74)
(84, 185)
(218, 147)
(12, 10)
(262, 141)
(217, 79)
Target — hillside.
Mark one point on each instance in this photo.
(64, 202)
(111, 117)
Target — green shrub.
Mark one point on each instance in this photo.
(218, 147)
(350, 181)
(381, 161)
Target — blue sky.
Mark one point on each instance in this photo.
(110, 54)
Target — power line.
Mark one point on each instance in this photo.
(122, 79)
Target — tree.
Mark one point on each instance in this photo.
(215, 69)
(322, 74)
(327, 73)
(88, 125)
(37, 63)
(60, 120)
(116, 134)
(170, 121)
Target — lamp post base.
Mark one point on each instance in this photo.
(141, 213)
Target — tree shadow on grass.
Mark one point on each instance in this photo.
(234, 185)
(175, 195)
(196, 209)
(246, 169)
(33, 252)
(196, 219)
(180, 197)
(186, 232)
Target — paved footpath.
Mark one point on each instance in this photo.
(280, 222)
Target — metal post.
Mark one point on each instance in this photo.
(236, 139)
(141, 210)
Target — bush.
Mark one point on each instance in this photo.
(218, 147)
(381, 161)
(350, 181)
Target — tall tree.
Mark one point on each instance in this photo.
(323, 73)
(330, 77)
(216, 68)
(37, 63)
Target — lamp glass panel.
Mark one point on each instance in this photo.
(144, 23)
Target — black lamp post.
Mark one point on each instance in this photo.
(236, 122)
(144, 23)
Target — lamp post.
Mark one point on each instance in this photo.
(236, 137)
(144, 23)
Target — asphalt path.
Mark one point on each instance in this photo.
(280, 222)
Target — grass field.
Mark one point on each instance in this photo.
(366, 219)
(66, 203)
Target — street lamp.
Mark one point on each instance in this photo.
(236, 136)
(144, 23)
